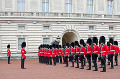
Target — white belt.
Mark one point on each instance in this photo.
(81, 52)
(77, 52)
(112, 50)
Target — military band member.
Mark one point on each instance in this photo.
(50, 55)
(116, 52)
(57, 53)
(96, 53)
(60, 54)
(89, 52)
(8, 53)
(39, 53)
(77, 52)
(54, 54)
(108, 52)
(112, 51)
(82, 53)
(42, 53)
(63, 52)
(67, 54)
(47, 51)
(103, 53)
(72, 54)
(23, 57)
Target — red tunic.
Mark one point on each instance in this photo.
(57, 52)
(107, 51)
(8, 52)
(117, 50)
(89, 49)
(49, 53)
(54, 53)
(60, 52)
(72, 51)
(42, 52)
(83, 50)
(96, 50)
(77, 50)
(67, 52)
(112, 49)
(103, 50)
(23, 53)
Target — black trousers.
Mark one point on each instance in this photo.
(81, 57)
(72, 59)
(66, 60)
(88, 56)
(8, 59)
(22, 63)
(42, 59)
(94, 58)
(50, 60)
(54, 60)
(110, 57)
(77, 59)
(103, 62)
(116, 59)
(60, 59)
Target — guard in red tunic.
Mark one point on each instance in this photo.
(60, 54)
(23, 57)
(57, 53)
(108, 52)
(116, 52)
(77, 52)
(103, 53)
(39, 53)
(47, 51)
(67, 54)
(42, 53)
(8, 53)
(89, 52)
(96, 53)
(54, 54)
(63, 52)
(72, 53)
(50, 55)
(112, 51)
(82, 52)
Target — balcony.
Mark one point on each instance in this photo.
(50, 14)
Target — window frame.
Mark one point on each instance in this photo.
(47, 40)
(90, 5)
(20, 44)
(108, 7)
(45, 2)
(68, 9)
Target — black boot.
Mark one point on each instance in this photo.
(89, 65)
(82, 66)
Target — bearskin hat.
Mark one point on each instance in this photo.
(82, 42)
(95, 40)
(108, 43)
(23, 44)
(72, 44)
(115, 43)
(8, 46)
(89, 41)
(67, 44)
(102, 40)
(111, 40)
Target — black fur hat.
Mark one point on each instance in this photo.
(53, 45)
(72, 44)
(8, 46)
(95, 40)
(108, 43)
(82, 42)
(89, 41)
(102, 40)
(67, 44)
(111, 40)
(59, 46)
(115, 43)
(23, 44)
(76, 43)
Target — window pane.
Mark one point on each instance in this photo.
(20, 41)
(110, 6)
(21, 27)
(45, 5)
(45, 27)
(110, 28)
(91, 27)
(90, 6)
(46, 40)
(68, 6)
(20, 5)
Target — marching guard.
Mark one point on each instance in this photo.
(89, 52)
(82, 53)
(103, 53)
(96, 53)
(8, 53)
(54, 54)
(23, 57)
(116, 52)
(60, 54)
(50, 55)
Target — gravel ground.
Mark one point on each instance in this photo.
(34, 70)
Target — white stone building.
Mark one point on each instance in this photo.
(42, 21)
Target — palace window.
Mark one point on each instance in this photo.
(111, 28)
(46, 40)
(90, 6)
(45, 27)
(20, 5)
(45, 5)
(91, 28)
(20, 41)
(21, 27)
(110, 6)
(68, 6)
